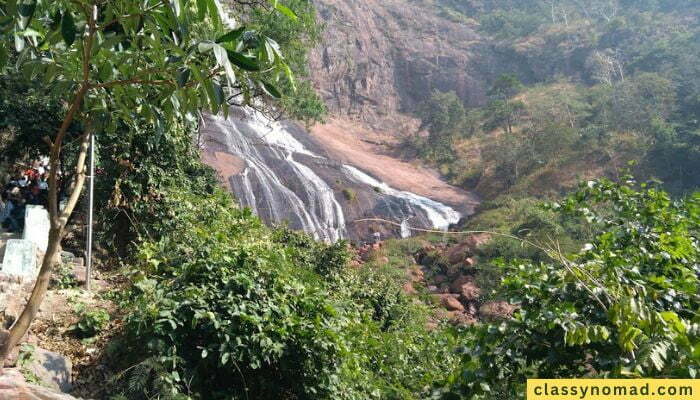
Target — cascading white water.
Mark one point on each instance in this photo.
(281, 188)
(440, 215)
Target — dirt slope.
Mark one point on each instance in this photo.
(348, 142)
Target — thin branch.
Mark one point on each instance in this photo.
(56, 152)
(133, 81)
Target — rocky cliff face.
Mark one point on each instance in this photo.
(381, 57)
(378, 60)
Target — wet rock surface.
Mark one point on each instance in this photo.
(286, 181)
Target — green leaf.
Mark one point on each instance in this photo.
(283, 9)
(6, 21)
(231, 36)
(201, 9)
(3, 56)
(271, 90)
(243, 62)
(222, 59)
(183, 76)
(55, 21)
(68, 29)
(206, 46)
(11, 7)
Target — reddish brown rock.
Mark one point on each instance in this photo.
(456, 285)
(463, 319)
(408, 288)
(464, 250)
(459, 252)
(451, 303)
(496, 310)
(438, 279)
(416, 274)
(469, 292)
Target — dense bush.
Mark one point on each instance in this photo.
(222, 307)
(626, 305)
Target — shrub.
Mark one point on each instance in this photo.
(63, 277)
(222, 307)
(624, 306)
(90, 322)
(350, 194)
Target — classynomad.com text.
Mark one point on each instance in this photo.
(613, 389)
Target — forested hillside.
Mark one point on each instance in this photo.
(587, 87)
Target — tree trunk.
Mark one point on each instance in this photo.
(21, 326)
(59, 219)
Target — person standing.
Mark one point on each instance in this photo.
(7, 211)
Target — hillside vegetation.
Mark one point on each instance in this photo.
(586, 88)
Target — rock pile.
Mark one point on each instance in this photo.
(448, 273)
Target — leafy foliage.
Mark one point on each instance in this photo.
(626, 305)
(90, 321)
(222, 307)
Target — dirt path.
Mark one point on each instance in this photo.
(348, 142)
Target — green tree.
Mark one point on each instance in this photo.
(127, 64)
(295, 37)
(502, 110)
(443, 115)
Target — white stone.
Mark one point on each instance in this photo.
(20, 258)
(37, 226)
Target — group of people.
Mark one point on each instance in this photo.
(27, 186)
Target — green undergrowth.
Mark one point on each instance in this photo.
(223, 307)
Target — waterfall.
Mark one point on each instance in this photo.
(284, 182)
(440, 215)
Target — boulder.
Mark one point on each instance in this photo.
(451, 303)
(496, 310)
(53, 370)
(456, 285)
(463, 319)
(465, 249)
(438, 279)
(416, 274)
(79, 273)
(408, 288)
(469, 292)
(14, 386)
(458, 252)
